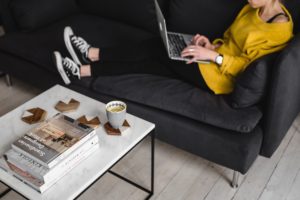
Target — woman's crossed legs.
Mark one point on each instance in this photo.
(147, 57)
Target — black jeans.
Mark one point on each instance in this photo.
(147, 57)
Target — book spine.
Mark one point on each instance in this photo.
(26, 164)
(71, 149)
(86, 155)
(42, 172)
(19, 174)
(70, 160)
(16, 148)
(33, 182)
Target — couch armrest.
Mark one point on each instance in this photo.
(283, 97)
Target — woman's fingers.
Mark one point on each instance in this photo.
(194, 39)
(202, 41)
(197, 35)
(195, 53)
(190, 48)
(188, 52)
(191, 60)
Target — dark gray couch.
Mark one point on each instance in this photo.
(187, 117)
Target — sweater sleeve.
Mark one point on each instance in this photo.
(233, 65)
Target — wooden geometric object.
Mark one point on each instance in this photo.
(34, 115)
(67, 107)
(126, 124)
(92, 122)
(112, 131)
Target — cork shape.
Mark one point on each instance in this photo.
(93, 122)
(112, 131)
(34, 115)
(67, 107)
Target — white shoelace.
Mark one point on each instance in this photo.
(81, 44)
(71, 66)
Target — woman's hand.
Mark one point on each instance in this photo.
(201, 40)
(198, 53)
(217, 45)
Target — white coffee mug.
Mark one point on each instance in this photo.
(116, 113)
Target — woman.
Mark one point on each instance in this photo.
(261, 27)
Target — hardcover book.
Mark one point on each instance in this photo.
(43, 173)
(35, 183)
(53, 140)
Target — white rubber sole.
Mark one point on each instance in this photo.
(58, 62)
(67, 33)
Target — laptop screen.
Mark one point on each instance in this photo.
(162, 25)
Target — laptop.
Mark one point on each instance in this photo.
(174, 42)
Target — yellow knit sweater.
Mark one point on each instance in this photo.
(247, 39)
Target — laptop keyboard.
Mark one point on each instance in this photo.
(177, 44)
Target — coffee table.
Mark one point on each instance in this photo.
(80, 178)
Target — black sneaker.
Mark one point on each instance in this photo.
(66, 67)
(77, 47)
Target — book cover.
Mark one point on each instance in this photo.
(34, 182)
(53, 140)
(43, 173)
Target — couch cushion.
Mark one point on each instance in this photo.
(31, 14)
(250, 87)
(37, 46)
(225, 147)
(210, 18)
(179, 97)
(139, 13)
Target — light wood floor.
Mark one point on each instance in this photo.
(181, 175)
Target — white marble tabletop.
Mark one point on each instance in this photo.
(112, 148)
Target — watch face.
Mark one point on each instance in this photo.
(219, 60)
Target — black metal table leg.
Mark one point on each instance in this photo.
(5, 192)
(8, 190)
(151, 191)
(152, 163)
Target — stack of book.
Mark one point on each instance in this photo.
(46, 153)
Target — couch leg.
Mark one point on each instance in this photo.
(8, 80)
(235, 179)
